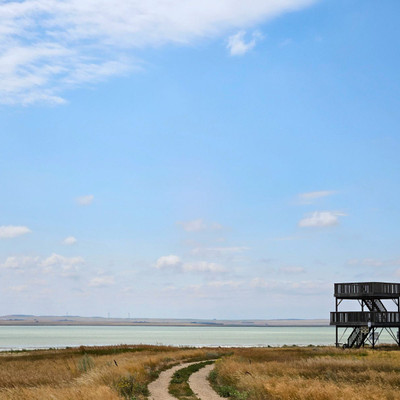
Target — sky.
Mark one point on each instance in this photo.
(197, 159)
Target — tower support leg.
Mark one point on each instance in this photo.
(337, 336)
(373, 338)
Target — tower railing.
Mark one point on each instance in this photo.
(355, 318)
(373, 289)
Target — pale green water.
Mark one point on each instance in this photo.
(27, 337)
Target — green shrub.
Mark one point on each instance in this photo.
(231, 392)
(127, 387)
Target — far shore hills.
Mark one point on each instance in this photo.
(69, 320)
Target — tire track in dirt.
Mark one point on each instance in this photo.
(200, 385)
(159, 388)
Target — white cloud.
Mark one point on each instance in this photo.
(259, 282)
(218, 251)
(195, 225)
(373, 262)
(237, 44)
(203, 266)
(102, 281)
(292, 287)
(65, 266)
(168, 262)
(292, 270)
(68, 266)
(319, 219)
(58, 260)
(85, 200)
(285, 238)
(309, 197)
(19, 262)
(198, 225)
(11, 231)
(69, 240)
(221, 284)
(47, 46)
(173, 261)
(19, 288)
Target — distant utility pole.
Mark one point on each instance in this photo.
(129, 315)
(108, 315)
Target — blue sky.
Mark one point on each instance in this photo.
(194, 159)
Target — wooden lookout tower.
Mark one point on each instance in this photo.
(374, 317)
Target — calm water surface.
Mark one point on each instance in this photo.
(33, 337)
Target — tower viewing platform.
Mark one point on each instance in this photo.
(374, 316)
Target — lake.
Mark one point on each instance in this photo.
(34, 337)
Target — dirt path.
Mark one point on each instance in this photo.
(201, 387)
(159, 388)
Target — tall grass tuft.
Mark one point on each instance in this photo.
(85, 364)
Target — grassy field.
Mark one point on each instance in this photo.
(89, 373)
(318, 373)
(123, 372)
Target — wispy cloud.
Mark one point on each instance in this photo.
(85, 200)
(287, 238)
(310, 197)
(59, 260)
(218, 251)
(102, 281)
(374, 262)
(70, 240)
(286, 42)
(175, 262)
(305, 287)
(55, 263)
(68, 267)
(237, 44)
(168, 261)
(292, 270)
(221, 284)
(47, 46)
(19, 262)
(320, 219)
(19, 288)
(203, 266)
(11, 231)
(198, 225)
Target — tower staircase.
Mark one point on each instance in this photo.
(358, 336)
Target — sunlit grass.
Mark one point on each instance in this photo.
(123, 372)
(112, 372)
(309, 373)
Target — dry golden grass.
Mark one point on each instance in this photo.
(87, 373)
(111, 373)
(311, 373)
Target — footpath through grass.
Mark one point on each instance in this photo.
(179, 386)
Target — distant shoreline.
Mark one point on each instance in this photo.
(32, 320)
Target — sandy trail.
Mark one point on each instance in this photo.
(201, 387)
(159, 388)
